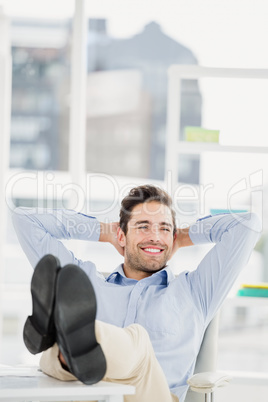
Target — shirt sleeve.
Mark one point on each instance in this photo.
(235, 236)
(40, 232)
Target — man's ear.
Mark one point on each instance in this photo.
(121, 237)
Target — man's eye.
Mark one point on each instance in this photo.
(166, 229)
(143, 227)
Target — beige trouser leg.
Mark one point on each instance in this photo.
(130, 360)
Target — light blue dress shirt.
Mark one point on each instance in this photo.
(174, 310)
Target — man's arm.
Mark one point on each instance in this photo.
(235, 236)
(40, 233)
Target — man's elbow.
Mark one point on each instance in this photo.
(251, 226)
(254, 222)
(19, 214)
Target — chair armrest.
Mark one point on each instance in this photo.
(208, 381)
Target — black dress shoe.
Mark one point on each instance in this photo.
(75, 313)
(39, 331)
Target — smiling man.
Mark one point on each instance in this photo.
(140, 325)
(148, 239)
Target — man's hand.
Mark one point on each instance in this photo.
(181, 239)
(108, 233)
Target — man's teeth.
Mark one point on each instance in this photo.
(153, 250)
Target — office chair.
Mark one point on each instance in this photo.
(205, 379)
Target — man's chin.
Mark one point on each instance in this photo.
(154, 267)
(145, 264)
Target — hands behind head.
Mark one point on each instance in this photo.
(181, 239)
(109, 234)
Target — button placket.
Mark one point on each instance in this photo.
(132, 305)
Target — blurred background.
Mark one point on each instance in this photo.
(83, 111)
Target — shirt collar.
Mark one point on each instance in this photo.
(163, 277)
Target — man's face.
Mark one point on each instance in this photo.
(149, 239)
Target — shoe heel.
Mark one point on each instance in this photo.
(33, 340)
(90, 368)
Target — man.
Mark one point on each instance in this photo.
(149, 324)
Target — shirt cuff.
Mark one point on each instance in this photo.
(80, 226)
(199, 232)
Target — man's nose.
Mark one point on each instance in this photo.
(154, 234)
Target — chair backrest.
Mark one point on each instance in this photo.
(207, 356)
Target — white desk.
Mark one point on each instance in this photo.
(17, 387)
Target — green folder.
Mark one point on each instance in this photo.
(253, 292)
(200, 134)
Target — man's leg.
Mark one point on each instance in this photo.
(95, 350)
(130, 360)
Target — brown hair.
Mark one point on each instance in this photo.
(139, 195)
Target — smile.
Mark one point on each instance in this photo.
(151, 250)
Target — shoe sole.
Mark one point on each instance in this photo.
(39, 331)
(75, 314)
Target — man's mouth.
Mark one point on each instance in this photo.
(152, 250)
